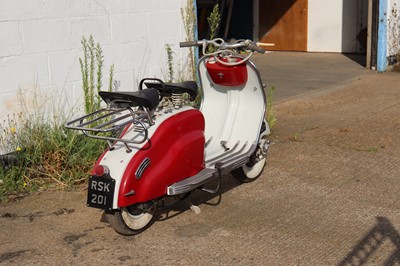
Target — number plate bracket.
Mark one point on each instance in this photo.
(101, 192)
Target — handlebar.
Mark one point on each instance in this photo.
(254, 47)
(188, 44)
(248, 44)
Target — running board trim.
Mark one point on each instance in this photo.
(207, 174)
(236, 162)
(192, 182)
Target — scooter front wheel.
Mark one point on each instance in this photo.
(246, 173)
(254, 168)
(130, 220)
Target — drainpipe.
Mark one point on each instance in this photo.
(382, 36)
(369, 37)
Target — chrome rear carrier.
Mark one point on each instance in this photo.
(106, 123)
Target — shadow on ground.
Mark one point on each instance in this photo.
(362, 253)
(198, 197)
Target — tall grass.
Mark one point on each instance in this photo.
(42, 153)
(37, 151)
(188, 16)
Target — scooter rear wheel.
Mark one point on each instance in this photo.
(130, 220)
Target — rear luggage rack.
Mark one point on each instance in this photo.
(106, 123)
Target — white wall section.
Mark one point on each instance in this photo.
(40, 44)
(337, 25)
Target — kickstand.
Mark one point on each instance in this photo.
(196, 209)
(217, 189)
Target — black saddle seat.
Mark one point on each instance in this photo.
(189, 87)
(147, 98)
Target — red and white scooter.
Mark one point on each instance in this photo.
(166, 149)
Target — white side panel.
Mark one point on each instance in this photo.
(233, 115)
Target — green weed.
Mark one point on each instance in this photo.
(368, 149)
(170, 62)
(92, 73)
(188, 15)
(271, 118)
(296, 136)
(213, 21)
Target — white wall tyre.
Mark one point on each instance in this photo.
(246, 174)
(130, 220)
(252, 173)
(254, 168)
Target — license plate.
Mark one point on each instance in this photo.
(101, 192)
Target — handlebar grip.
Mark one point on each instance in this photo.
(254, 47)
(188, 44)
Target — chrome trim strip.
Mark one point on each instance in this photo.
(192, 182)
(143, 165)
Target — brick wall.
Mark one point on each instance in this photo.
(40, 45)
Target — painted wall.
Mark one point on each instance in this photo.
(393, 30)
(337, 25)
(40, 45)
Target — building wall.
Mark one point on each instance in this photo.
(393, 30)
(337, 25)
(40, 45)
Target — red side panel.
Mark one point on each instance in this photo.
(227, 75)
(175, 151)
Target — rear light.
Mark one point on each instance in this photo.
(101, 170)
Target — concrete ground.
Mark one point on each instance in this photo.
(328, 196)
(294, 74)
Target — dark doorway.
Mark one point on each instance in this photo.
(241, 22)
(236, 18)
(204, 9)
